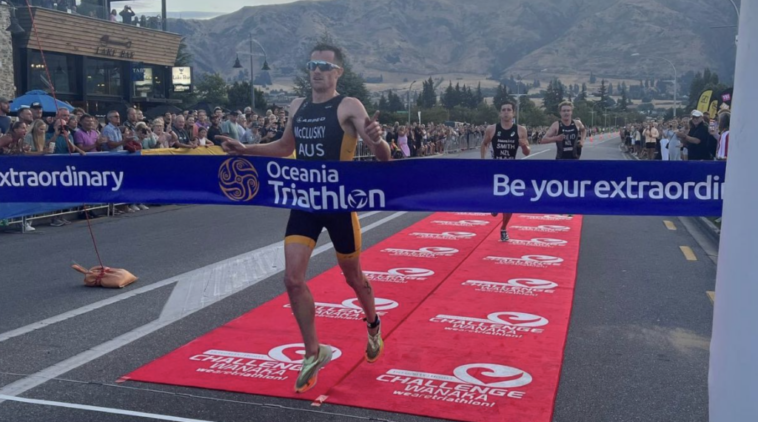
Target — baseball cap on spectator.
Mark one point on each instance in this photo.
(696, 113)
(36, 104)
(217, 109)
(234, 113)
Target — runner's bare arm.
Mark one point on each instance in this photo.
(368, 129)
(488, 134)
(551, 135)
(582, 132)
(523, 141)
(281, 148)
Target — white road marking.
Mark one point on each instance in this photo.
(243, 259)
(206, 285)
(60, 368)
(110, 410)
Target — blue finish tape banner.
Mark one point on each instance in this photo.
(581, 187)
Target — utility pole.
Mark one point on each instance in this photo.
(409, 103)
(733, 369)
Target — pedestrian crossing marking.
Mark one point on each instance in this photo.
(669, 224)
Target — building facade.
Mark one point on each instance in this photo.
(7, 88)
(93, 63)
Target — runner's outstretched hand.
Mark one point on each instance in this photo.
(373, 129)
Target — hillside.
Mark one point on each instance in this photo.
(486, 37)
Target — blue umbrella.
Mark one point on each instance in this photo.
(49, 104)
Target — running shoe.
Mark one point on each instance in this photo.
(143, 207)
(504, 236)
(494, 214)
(309, 372)
(28, 227)
(57, 222)
(375, 346)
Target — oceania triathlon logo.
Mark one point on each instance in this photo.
(238, 180)
(357, 199)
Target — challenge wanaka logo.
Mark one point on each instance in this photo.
(445, 235)
(538, 261)
(426, 252)
(517, 286)
(475, 384)
(399, 275)
(350, 309)
(501, 324)
(238, 180)
(279, 364)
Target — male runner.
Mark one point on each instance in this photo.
(325, 128)
(505, 139)
(567, 133)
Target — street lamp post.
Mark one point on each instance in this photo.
(676, 83)
(238, 65)
(409, 103)
(518, 93)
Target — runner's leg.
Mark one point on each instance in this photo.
(296, 258)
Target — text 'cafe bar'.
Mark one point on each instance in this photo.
(93, 63)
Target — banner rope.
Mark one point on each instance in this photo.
(55, 99)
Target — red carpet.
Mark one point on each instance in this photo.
(488, 344)
(485, 342)
(259, 352)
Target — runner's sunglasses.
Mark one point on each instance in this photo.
(321, 65)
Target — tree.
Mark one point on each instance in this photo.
(239, 96)
(610, 89)
(428, 97)
(536, 83)
(603, 103)
(383, 104)
(212, 88)
(702, 82)
(583, 93)
(647, 83)
(623, 103)
(553, 97)
(593, 78)
(394, 102)
(448, 98)
(478, 97)
(501, 96)
(530, 114)
(349, 84)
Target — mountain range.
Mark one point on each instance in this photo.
(611, 38)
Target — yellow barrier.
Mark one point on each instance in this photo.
(214, 150)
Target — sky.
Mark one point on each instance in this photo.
(189, 8)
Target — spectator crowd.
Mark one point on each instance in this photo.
(126, 16)
(697, 137)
